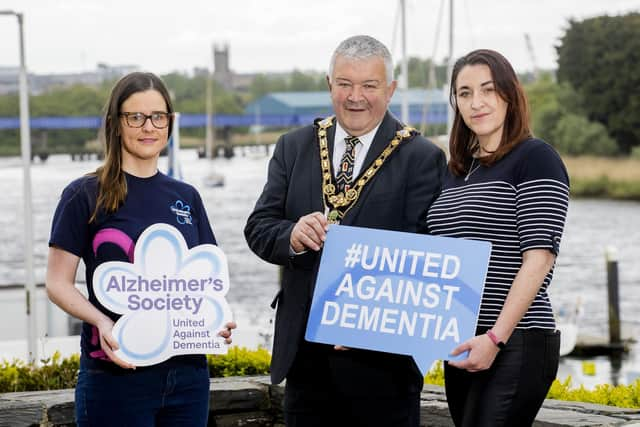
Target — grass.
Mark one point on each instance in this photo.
(604, 177)
(615, 169)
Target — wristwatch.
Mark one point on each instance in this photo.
(495, 339)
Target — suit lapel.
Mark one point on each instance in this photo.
(331, 135)
(383, 136)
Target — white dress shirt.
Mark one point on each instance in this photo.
(361, 149)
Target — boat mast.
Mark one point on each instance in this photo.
(450, 113)
(209, 131)
(404, 66)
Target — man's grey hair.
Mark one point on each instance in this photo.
(363, 47)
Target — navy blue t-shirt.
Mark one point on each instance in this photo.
(112, 237)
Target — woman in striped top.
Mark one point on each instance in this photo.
(510, 189)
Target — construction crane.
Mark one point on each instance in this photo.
(532, 56)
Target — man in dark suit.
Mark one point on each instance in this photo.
(362, 168)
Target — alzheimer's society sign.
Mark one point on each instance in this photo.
(397, 292)
(172, 298)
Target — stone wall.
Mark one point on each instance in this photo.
(253, 402)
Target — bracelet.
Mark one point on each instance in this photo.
(495, 339)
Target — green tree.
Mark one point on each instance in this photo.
(189, 95)
(419, 73)
(545, 107)
(600, 58)
(72, 101)
(76, 100)
(549, 101)
(297, 81)
(9, 106)
(9, 139)
(558, 117)
(263, 84)
(575, 135)
(301, 82)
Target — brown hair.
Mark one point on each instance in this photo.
(462, 141)
(112, 184)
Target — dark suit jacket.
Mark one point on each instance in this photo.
(397, 198)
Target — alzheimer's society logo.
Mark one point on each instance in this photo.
(172, 298)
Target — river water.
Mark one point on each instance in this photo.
(580, 272)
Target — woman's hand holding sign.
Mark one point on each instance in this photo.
(482, 353)
(226, 333)
(109, 344)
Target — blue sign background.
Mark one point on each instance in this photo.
(339, 260)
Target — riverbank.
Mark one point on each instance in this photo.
(616, 178)
(604, 177)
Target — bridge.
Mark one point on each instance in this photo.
(273, 110)
(200, 120)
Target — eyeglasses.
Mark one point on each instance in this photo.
(159, 119)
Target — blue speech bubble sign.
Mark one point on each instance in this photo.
(398, 292)
(172, 297)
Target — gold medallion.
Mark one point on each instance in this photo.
(333, 217)
(337, 205)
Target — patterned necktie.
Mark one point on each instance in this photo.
(345, 173)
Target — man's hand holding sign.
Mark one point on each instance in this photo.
(172, 299)
(397, 292)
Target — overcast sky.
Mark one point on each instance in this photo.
(277, 35)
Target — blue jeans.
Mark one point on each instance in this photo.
(174, 393)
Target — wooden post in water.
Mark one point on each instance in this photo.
(611, 257)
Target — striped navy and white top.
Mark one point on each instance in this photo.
(518, 203)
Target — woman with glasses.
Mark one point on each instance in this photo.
(506, 187)
(99, 218)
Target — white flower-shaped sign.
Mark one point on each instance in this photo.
(172, 298)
